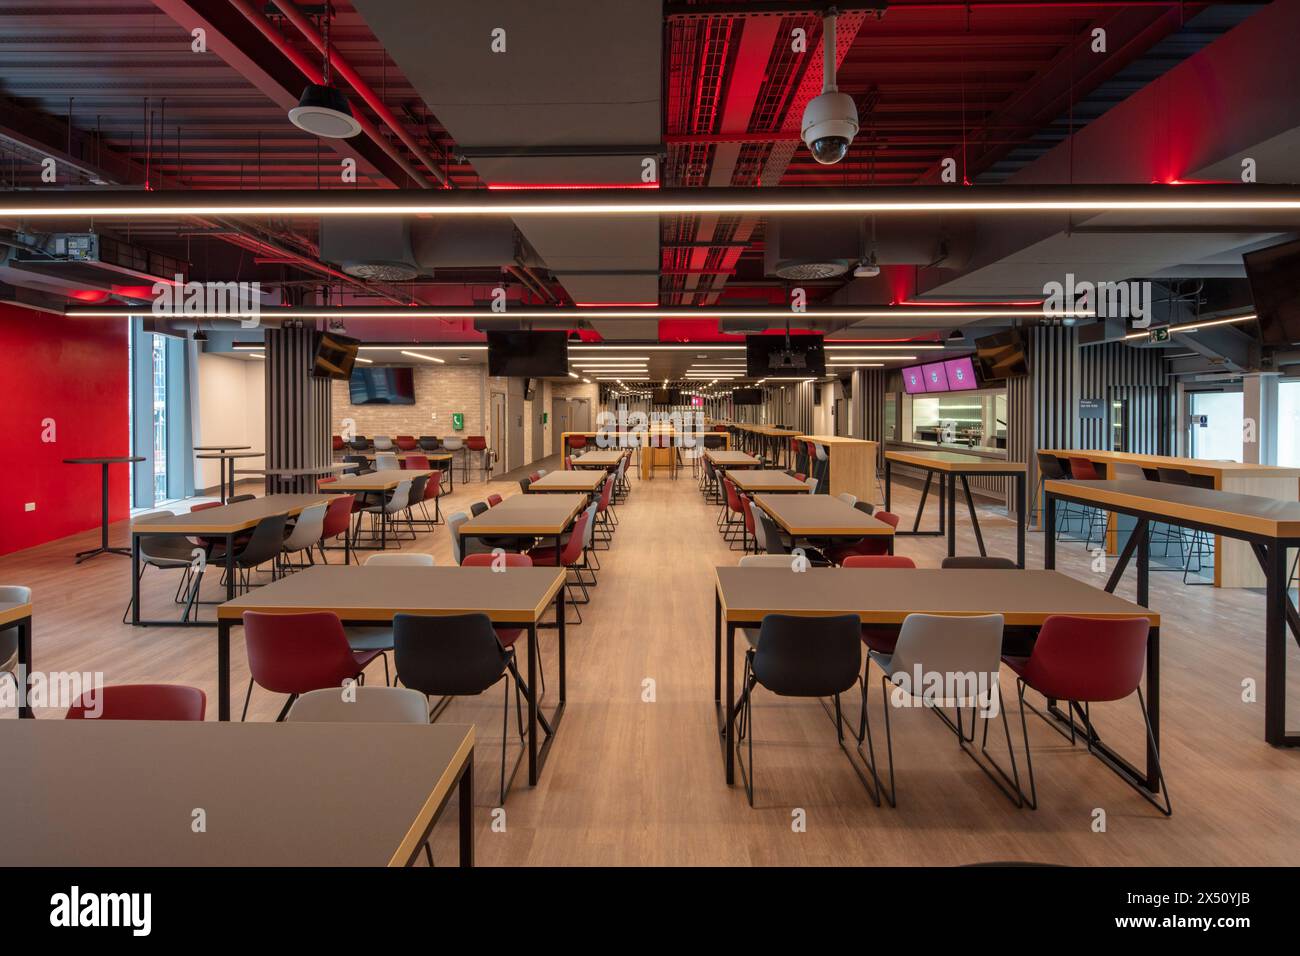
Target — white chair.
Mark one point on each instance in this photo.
(11, 594)
(847, 498)
(361, 705)
(306, 534)
(387, 461)
(812, 485)
(541, 472)
(386, 511)
(383, 443)
(380, 638)
(962, 654)
(169, 552)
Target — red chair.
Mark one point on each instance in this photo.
(603, 531)
(1083, 469)
(568, 463)
(296, 653)
(535, 476)
(747, 511)
(140, 702)
(432, 492)
(731, 507)
(493, 501)
(570, 558)
(418, 462)
(879, 637)
(577, 441)
(406, 442)
(338, 443)
(870, 545)
(338, 521)
(1087, 660)
(476, 443)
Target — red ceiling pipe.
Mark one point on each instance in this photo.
(314, 75)
(363, 89)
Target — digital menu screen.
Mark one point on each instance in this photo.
(913, 380)
(961, 374)
(936, 377)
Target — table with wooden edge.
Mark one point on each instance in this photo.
(817, 516)
(754, 480)
(1268, 526)
(1234, 566)
(727, 459)
(227, 456)
(282, 475)
(526, 516)
(374, 482)
(18, 615)
(770, 441)
(951, 466)
(625, 439)
(106, 793)
(852, 464)
(433, 456)
(370, 595)
(885, 596)
(586, 482)
(103, 463)
(604, 458)
(224, 521)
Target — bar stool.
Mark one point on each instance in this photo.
(1083, 469)
(1199, 543)
(1050, 468)
(454, 444)
(478, 443)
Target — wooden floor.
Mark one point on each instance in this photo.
(635, 776)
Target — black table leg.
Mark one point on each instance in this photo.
(951, 482)
(925, 496)
(730, 741)
(223, 670)
(888, 480)
(974, 521)
(532, 703)
(1275, 644)
(466, 811)
(24, 627)
(135, 580)
(1049, 532)
(1020, 519)
(717, 649)
(103, 521)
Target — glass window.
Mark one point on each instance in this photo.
(1288, 423)
(159, 418)
(969, 420)
(1216, 425)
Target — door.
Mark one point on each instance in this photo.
(580, 414)
(559, 423)
(499, 427)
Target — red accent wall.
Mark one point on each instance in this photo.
(75, 372)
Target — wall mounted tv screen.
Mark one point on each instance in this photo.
(530, 354)
(1000, 357)
(913, 380)
(936, 377)
(335, 356)
(747, 396)
(961, 374)
(382, 386)
(768, 355)
(1274, 275)
(666, 396)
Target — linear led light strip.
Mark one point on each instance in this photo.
(272, 312)
(663, 202)
(1192, 326)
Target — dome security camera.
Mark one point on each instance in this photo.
(830, 122)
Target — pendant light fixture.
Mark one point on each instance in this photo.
(322, 110)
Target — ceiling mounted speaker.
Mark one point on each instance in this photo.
(324, 111)
(382, 271)
(827, 269)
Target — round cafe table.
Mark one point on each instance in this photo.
(222, 457)
(103, 501)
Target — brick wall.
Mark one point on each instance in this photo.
(439, 391)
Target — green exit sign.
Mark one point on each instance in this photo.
(1160, 334)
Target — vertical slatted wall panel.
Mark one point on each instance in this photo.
(869, 405)
(297, 408)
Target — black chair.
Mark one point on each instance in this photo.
(362, 463)
(771, 535)
(524, 484)
(802, 657)
(459, 655)
(866, 507)
(976, 561)
(359, 443)
(238, 498)
(428, 442)
(477, 508)
(416, 497)
(263, 545)
(1051, 468)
